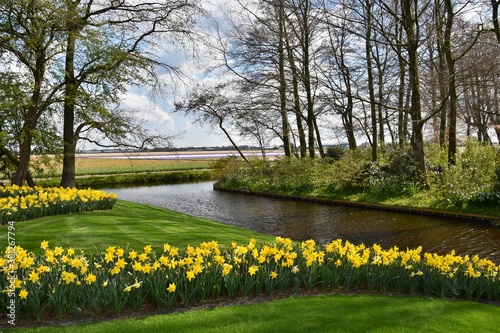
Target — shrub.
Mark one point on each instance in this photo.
(473, 179)
(335, 152)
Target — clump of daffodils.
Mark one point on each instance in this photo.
(23, 203)
(63, 282)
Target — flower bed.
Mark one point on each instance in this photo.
(24, 203)
(63, 282)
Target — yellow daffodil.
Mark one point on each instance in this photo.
(58, 251)
(115, 270)
(137, 266)
(120, 263)
(147, 268)
(33, 277)
(109, 257)
(90, 278)
(166, 247)
(190, 275)
(23, 294)
(68, 277)
(136, 285)
(43, 269)
(171, 288)
(120, 252)
(226, 268)
(132, 255)
(70, 251)
(253, 269)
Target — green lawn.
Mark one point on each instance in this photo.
(138, 225)
(129, 224)
(334, 313)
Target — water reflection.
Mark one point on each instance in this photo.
(305, 220)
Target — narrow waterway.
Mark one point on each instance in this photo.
(306, 220)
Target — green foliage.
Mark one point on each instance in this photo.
(294, 176)
(474, 178)
(335, 152)
(472, 185)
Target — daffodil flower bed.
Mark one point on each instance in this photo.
(24, 203)
(60, 282)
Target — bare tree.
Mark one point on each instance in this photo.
(479, 84)
(337, 71)
(211, 107)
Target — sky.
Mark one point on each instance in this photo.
(159, 115)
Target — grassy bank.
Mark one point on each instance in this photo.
(471, 186)
(160, 177)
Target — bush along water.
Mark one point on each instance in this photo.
(61, 283)
(472, 185)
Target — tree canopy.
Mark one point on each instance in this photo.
(70, 61)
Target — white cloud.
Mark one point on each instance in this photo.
(188, 127)
(148, 111)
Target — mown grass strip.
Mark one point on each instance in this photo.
(327, 313)
(128, 224)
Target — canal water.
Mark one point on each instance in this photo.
(305, 220)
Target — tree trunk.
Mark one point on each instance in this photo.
(296, 99)
(26, 135)
(369, 69)
(73, 26)
(402, 129)
(452, 88)
(282, 88)
(496, 25)
(19, 177)
(417, 138)
(68, 178)
(347, 115)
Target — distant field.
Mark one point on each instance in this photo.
(105, 164)
(102, 166)
(122, 163)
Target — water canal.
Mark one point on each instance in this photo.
(305, 220)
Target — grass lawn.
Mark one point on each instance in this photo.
(138, 225)
(332, 313)
(129, 224)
